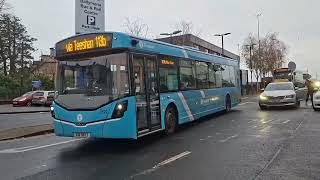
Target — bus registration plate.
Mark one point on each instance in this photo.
(81, 134)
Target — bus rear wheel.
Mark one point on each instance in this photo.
(170, 120)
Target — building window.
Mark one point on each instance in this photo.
(187, 75)
(168, 72)
(202, 75)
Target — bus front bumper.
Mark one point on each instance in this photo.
(99, 129)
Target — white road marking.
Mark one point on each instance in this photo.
(284, 122)
(31, 148)
(208, 137)
(228, 138)
(245, 98)
(165, 162)
(241, 104)
(265, 122)
(268, 164)
(174, 158)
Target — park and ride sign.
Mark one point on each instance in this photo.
(89, 16)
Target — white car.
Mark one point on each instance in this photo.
(40, 97)
(316, 101)
(279, 94)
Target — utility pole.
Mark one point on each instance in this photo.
(258, 17)
(21, 73)
(251, 63)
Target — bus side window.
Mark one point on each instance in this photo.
(218, 75)
(212, 76)
(187, 75)
(168, 73)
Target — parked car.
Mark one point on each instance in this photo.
(41, 98)
(24, 100)
(316, 96)
(50, 98)
(279, 94)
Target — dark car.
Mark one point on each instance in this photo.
(24, 100)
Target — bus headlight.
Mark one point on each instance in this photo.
(262, 97)
(120, 109)
(52, 111)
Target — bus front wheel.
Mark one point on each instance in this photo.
(171, 120)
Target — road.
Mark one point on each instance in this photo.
(244, 144)
(9, 121)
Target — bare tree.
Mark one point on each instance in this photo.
(271, 55)
(3, 6)
(136, 27)
(187, 27)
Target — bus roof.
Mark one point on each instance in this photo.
(125, 41)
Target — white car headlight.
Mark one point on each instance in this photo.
(263, 97)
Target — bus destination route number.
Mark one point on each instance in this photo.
(87, 44)
(83, 43)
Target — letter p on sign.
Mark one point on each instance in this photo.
(91, 20)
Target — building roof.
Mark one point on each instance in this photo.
(190, 38)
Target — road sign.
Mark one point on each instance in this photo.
(90, 16)
(36, 84)
(292, 66)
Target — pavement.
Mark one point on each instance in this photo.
(24, 124)
(246, 143)
(9, 109)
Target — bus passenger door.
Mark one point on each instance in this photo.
(147, 93)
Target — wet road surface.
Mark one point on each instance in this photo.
(246, 143)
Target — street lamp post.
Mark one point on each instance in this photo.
(250, 63)
(222, 35)
(258, 17)
(171, 34)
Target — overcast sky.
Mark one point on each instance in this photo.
(296, 21)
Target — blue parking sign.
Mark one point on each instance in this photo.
(36, 84)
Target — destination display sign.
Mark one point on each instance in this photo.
(84, 43)
(167, 62)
